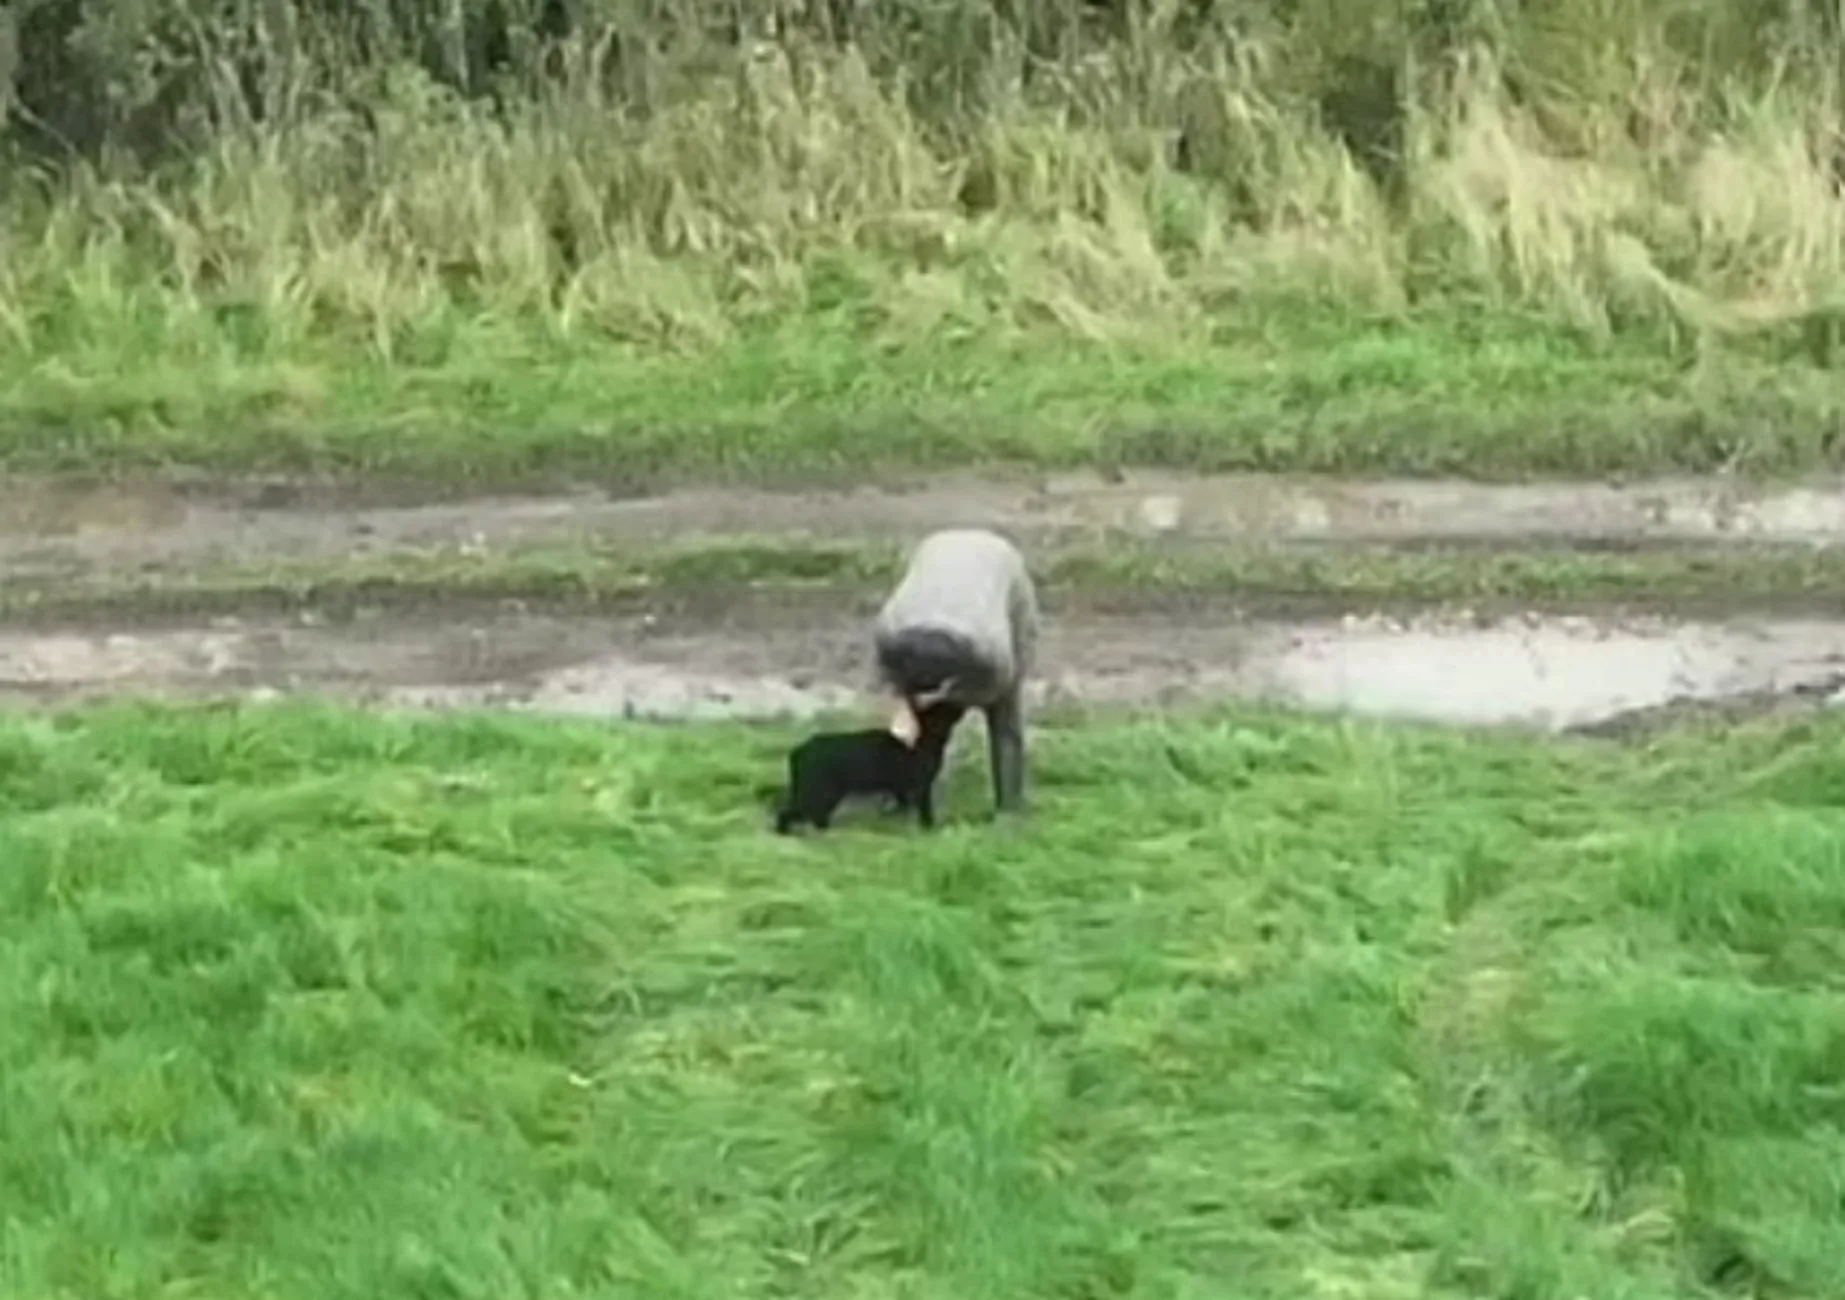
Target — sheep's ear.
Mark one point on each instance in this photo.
(904, 726)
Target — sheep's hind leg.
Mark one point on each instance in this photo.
(1006, 750)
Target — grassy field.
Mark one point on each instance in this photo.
(807, 401)
(302, 1003)
(1601, 237)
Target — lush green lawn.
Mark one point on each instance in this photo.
(299, 1003)
(480, 398)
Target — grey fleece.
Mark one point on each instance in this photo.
(975, 583)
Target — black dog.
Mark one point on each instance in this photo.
(824, 770)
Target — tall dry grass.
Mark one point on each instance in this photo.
(1576, 161)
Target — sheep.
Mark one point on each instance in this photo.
(962, 625)
(825, 769)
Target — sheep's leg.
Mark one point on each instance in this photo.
(1006, 750)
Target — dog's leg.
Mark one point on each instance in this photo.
(925, 806)
(822, 817)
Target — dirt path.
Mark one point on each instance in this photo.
(49, 529)
(764, 657)
(765, 660)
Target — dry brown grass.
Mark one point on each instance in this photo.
(1600, 235)
(791, 177)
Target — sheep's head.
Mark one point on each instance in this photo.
(904, 723)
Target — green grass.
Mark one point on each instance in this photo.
(474, 400)
(1280, 239)
(1123, 574)
(302, 1003)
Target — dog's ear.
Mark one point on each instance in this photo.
(905, 726)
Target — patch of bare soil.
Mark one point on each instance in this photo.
(51, 528)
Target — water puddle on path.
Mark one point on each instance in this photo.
(1549, 673)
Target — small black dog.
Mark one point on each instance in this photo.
(824, 770)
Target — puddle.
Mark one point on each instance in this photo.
(1546, 673)
(1553, 674)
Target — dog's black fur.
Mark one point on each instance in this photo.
(825, 770)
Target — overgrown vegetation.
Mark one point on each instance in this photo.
(316, 1005)
(656, 234)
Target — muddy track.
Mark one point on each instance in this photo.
(69, 526)
(772, 660)
(772, 655)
